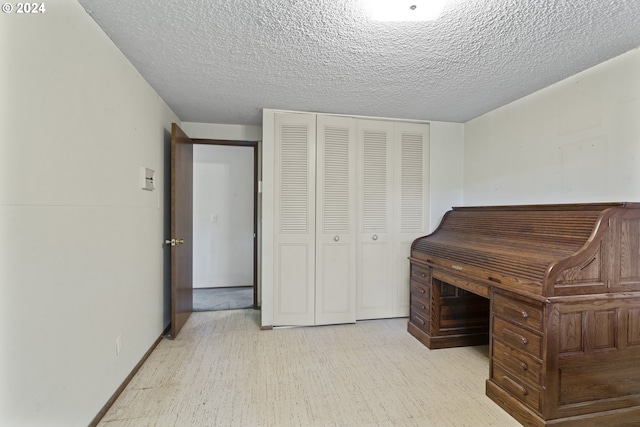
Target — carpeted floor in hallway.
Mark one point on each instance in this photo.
(214, 299)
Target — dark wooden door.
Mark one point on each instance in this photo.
(181, 240)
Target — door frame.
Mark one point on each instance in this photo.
(254, 144)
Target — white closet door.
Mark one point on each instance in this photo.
(335, 221)
(411, 216)
(376, 291)
(294, 219)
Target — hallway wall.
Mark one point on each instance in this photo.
(222, 216)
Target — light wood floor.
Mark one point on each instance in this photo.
(223, 371)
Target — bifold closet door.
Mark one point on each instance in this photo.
(411, 207)
(294, 219)
(376, 291)
(335, 220)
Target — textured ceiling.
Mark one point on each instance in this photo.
(222, 61)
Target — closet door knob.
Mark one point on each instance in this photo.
(337, 238)
(375, 237)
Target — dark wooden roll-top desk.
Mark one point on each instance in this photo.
(555, 292)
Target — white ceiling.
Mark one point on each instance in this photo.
(222, 61)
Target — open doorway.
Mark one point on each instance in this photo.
(224, 225)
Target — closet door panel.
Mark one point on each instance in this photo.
(335, 221)
(294, 292)
(294, 219)
(375, 284)
(375, 281)
(335, 294)
(411, 216)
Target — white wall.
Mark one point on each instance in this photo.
(445, 169)
(222, 131)
(575, 141)
(81, 256)
(222, 216)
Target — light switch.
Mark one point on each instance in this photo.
(148, 178)
(214, 218)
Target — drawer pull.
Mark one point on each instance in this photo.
(422, 306)
(515, 385)
(420, 320)
(423, 274)
(508, 333)
(516, 312)
(422, 290)
(522, 364)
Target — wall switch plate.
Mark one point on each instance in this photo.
(148, 177)
(214, 218)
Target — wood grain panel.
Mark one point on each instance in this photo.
(629, 247)
(571, 332)
(633, 326)
(589, 271)
(604, 325)
(596, 382)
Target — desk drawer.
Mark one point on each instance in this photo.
(517, 337)
(527, 394)
(421, 304)
(521, 365)
(420, 320)
(421, 290)
(526, 313)
(420, 273)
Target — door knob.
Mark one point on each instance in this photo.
(375, 237)
(174, 242)
(337, 238)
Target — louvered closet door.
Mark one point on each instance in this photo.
(335, 221)
(376, 291)
(294, 219)
(411, 213)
